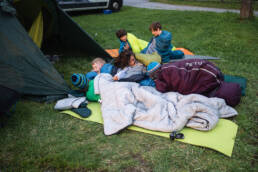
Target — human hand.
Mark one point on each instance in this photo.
(115, 78)
(126, 47)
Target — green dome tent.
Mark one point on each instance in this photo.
(28, 30)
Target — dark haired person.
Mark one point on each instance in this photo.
(128, 66)
(161, 43)
(129, 41)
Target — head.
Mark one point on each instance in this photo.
(126, 58)
(153, 69)
(122, 35)
(155, 28)
(97, 64)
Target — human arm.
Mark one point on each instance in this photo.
(122, 44)
(121, 74)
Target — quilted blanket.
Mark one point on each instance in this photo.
(128, 103)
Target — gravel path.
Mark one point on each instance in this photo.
(156, 5)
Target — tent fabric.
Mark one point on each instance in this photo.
(61, 35)
(36, 30)
(10, 98)
(221, 138)
(75, 39)
(23, 67)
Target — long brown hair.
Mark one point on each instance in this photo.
(123, 59)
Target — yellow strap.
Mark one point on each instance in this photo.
(36, 30)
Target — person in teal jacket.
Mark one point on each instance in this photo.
(129, 41)
(161, 43)
(124, 43)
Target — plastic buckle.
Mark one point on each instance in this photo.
(174, 135)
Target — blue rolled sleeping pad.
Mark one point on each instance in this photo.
(79, 80)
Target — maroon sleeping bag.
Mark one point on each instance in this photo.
(196, 76)
(230, 92)
(189, 76)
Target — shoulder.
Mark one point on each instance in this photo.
(165, 33)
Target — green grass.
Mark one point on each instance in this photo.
(38, 138)
(227, 4)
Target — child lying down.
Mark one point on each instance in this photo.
(128, 66)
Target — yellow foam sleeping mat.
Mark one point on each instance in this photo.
(221, 138)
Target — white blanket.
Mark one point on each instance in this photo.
(128, 103)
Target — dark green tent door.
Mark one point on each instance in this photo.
(23, 67)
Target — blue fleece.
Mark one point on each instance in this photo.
(164, 46)
(91, 75)
(106, 68)
(122, 45)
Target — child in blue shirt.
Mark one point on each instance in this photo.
(161, 43)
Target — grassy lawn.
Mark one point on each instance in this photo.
(38, 138)
(227, 4)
